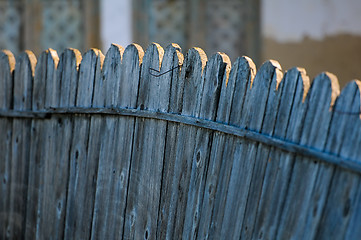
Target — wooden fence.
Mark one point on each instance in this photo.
(155, 145)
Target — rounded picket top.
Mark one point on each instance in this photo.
(137, 49)
(23, 80)
(115, 48)
(241, 77)
(172, 51)
(7, 58)
(67, 77)
(7, 66)
(90, 67)
(153, 51)
(192, 75)
(72, 53)
(327, 80)
(268, 70)
(44, 79)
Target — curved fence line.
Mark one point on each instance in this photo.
(157, 145)
(283, 144)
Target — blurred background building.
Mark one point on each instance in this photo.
(319, 35)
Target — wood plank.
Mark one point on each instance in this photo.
(148, 146)
(108, 215)
(241, 76)
(295, 86)
(83, 169)
(254, 107)
(61, 89)
(213, 78)
(331, 205)
(23, 84)
(172, 213)
(166, 206)
(261, 121)
(322, 94)
(44, 72)
(212, 196)
(7, 65)
(115, 157)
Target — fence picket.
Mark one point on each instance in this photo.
(263, 111)
(121, 72)
(148, 146)
(7, 66)
(321, 96)
(166, 212)
(295, 86)
(43, 75)
(335, 192)
(209, 97)
(178, 177)
(83, 169)
(23, 83)
(58, 137)
(241, 76)
(216, 151)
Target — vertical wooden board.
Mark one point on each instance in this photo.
(7, 65)
(178, 177)
(105, 214)
(264, 122)
(322, 94)
(20, 145)
(335, 192)
(166, 207)
(232, 203)
(83, 169)
(148, 148)
(37, 143)
(213, 199)
(213, 76)
(279, 167)
(255, 100)
(60, 93)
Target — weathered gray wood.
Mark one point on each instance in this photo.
(331, 206)
(264, 161)
(148, 147)
(7, 65)
(60, 93)
(166, 205)
(83, 169)
(321, 96)
(20, 147)
(209, 214)
(263, 117)
(279, 167)
(209, 98)
(113, 173)
(106, 215)
(225, 217)
(240, 153)
(230, 105)
(44, 73)
(178, 178)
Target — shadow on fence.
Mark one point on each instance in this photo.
(155, 145)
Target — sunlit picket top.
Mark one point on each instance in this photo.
(156, 145)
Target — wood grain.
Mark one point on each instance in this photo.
(58, 142)
(20, 147)
(7, 65)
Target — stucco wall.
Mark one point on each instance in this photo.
(320, 35)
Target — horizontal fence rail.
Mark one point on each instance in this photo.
(157, 145)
